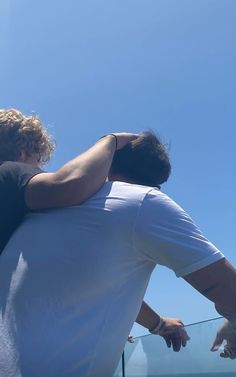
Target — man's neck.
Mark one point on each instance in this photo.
(119, 178)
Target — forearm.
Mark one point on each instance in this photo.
(85, 174)
(217, 282)
(75, 181)
(147, 317)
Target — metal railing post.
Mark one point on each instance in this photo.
(123, 364)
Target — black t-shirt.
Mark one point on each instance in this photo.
(14, 177)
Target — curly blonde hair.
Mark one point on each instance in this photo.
(20, 133)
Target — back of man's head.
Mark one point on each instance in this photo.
(143, 161)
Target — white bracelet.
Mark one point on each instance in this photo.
(157, 328)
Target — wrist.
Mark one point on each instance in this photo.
(112, 138)
(155, 329)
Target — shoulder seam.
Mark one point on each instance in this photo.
(136, 217)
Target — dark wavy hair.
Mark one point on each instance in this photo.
(143, 161)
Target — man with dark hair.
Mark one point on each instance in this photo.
(71, 292)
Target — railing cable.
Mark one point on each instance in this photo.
(189, 324)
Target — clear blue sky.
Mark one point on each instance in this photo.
(95, 66)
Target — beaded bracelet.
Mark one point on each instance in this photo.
(157, 328)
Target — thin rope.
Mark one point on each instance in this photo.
(189, 324)
(206, 320)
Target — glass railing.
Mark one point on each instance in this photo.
(149, 356)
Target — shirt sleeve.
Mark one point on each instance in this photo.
(14, 177)
(165, 234)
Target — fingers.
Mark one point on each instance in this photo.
(174, 333)
(228, 352)
(226, 333)
(168, 341)
(173, 341)
(177, 340)
(217, 343)
(176, 343)
(184, 336)
(124, 138)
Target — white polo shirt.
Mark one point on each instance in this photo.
(72, 280)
